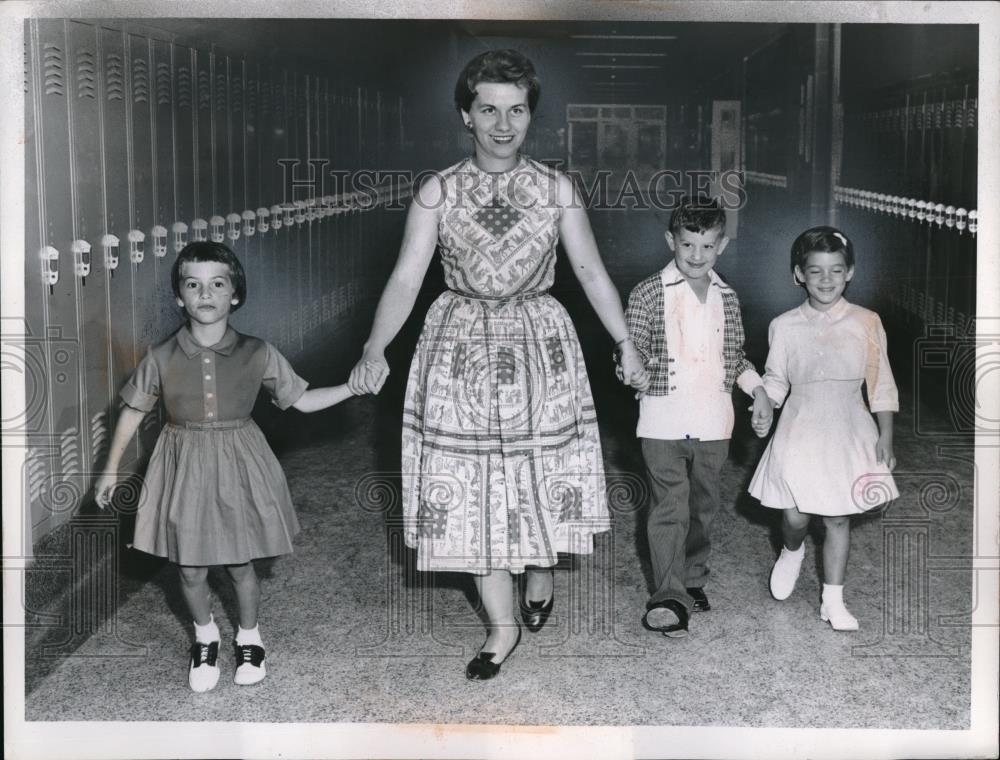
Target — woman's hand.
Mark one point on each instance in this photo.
(633, 369)
(104, 488)
(369, 374)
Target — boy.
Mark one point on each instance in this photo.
(685, 322)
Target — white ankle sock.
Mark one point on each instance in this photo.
(248, 636)
(833, 594)
(207, 633)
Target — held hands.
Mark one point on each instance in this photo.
(883, 451)
(369, 374)
(631, 370)
(763, 413)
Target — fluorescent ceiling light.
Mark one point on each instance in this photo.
(617, 66)
(623, 37)
(623, 55)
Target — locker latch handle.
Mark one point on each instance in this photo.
(249, 222)
(110, 245)
(135, 241)
(263, 215)
(276, 217)
(159, 233)
(217, 229)
(50, 265)
(180, 231)
(199, 230)
(81, 258)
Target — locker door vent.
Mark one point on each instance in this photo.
(86, 76)
(301, 103)
(36, 475)
(25, 83)
(99, 438)
(251, 96)
(163, 84)
(220, 93)
(140, 81)
(115, 77)
(265, 97)
(204, 91)
(184, 87)
(53, 67)
(236, 95)
(69, 448)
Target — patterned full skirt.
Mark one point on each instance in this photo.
(502, 464)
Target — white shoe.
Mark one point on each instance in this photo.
(203, 672)
(785, 572)
(250, 664)
(838, 616)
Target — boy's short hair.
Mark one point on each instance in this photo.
(821, 239)
(497, 67)
(206, 250)
(698, 214)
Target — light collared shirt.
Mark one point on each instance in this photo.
(697, 405)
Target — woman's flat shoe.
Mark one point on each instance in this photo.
(482, 668)
(534, 614)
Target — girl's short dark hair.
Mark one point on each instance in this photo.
(204, 250)
(698, 214)
(821, 239)
(497, 67)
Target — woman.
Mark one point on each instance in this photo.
(502, 462)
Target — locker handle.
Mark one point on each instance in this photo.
(262, 219)
(135, 241)
(288, 212)
(949, 218)
(199, 230)
(216, 228)
(50, 265)
(311, 214)
(180, 231)
(960, 215)
(973, 222)
(81, 258)
(110, 245)
(249, 220)
(300, 212)
(233, 226)
(159, 233)
(276, 216)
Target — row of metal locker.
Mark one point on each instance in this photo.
(904, 161)
(136, 145)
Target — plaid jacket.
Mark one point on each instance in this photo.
(646, 328)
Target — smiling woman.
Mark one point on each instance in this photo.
(502, 466)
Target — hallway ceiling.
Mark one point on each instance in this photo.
(607, 57)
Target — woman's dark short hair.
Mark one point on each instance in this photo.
(699, 214)
(498, 67)
(204, 250)
(821, 239)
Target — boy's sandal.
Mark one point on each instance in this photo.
(669, 617)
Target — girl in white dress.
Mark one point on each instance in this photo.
(827, 456)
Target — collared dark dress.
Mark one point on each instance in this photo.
(214, 492)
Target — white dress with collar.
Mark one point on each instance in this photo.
(822, 458)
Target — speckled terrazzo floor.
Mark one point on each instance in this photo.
(353, 637)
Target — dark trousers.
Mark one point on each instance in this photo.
(684, 497)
